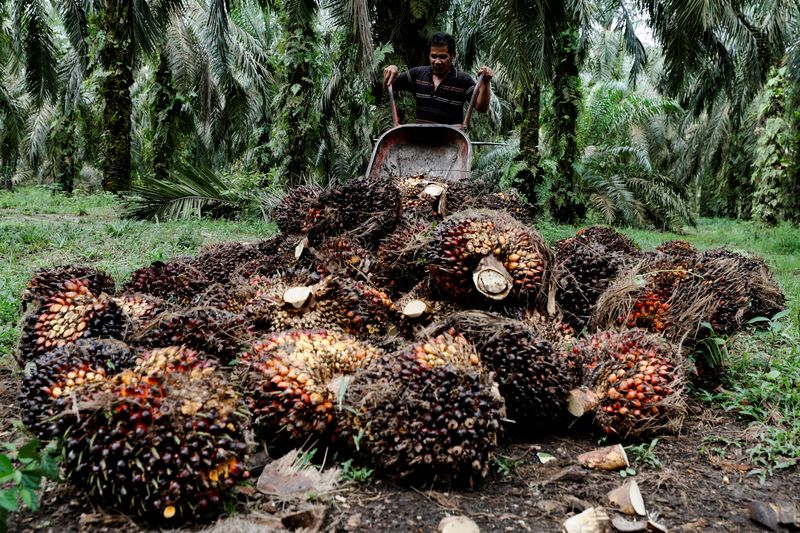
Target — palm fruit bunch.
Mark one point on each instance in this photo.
(534, 379)
(399, 260)
(488, 253)
(163, 441)
(343, 304)
(51, 381)
(610, 238)
(139, 309)
(340, 255)
(219, 333)
(232, 298)
(632, 383)
(427, 413)
(275, 254)
(422, 197)
(69, 314)
(508, 201)
(586, 269)
(48, 282)
(422, 306)
(303, 210)
(678, 248)
(764, 295)
(368, 207)
(218, 262)
(176, 280)
(287, 378)
(548, 327)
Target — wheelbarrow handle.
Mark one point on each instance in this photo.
(472, 103)
(393, 106)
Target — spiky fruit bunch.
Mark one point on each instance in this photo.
(534, 379)
(678, 248)
(550, 328)
(218, 262)
(139, 308)
(275, 254)
(610, 238)
(341, 255)
(68, 315)
(48, 282)
(164, 445)
(286, 376)
(368, 207)
(508, 201)
(488, 253)
(427, 413)
(422, 197)
(302, 210)
(764, 296)
(633, 383)
(215, 332)
(333, 303)
(177, 279)
(586, 269)
(422, 306)
(232, 298)
(400, 261)
(50, 383)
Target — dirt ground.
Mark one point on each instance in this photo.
(703, 485)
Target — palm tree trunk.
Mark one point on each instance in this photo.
(116, 59)
(530, 178)
(166, 120)
(565, 200)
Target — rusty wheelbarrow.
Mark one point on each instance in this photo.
(438, 151)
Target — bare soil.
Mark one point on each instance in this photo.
(703, 486)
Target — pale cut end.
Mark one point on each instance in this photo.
(433, 190)
(607, 458)
(627, 498)
(492, 279)
(415, 308)
(592, 520)
(581, 401)
(298, 297)
(301, 247)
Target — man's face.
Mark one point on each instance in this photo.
(441, 60)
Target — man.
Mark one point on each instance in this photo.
(441, 90)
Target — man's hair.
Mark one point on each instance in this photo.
(443, 39)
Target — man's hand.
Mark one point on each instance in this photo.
(486, 72)
(389, 75)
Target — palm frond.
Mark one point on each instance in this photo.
(36, 44)
(353, 16)
(74, 16)
(146, 28)
(188, 193)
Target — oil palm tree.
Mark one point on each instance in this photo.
(130, 30)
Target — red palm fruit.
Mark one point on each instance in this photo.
(163, 441)
(66, 316)
(633, 384)
(287, 377)
(489, 256)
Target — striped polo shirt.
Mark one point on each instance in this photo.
(445, 105)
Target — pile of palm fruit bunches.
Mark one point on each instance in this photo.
(409, 323)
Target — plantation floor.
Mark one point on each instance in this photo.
(702, 486)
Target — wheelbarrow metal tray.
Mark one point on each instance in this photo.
(435, 150)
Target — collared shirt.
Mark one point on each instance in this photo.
(445, 105)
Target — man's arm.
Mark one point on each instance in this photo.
(484, 90)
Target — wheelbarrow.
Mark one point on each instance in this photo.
(438, 151)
